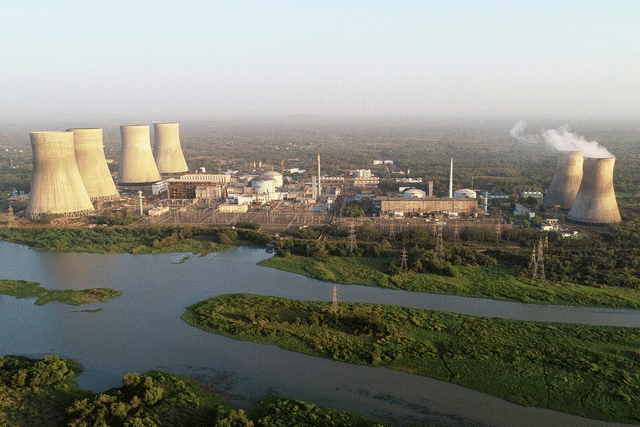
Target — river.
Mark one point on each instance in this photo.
(142, 330)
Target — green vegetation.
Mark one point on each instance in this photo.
(41, 393)
(482, 282)
(147, 240)
(37, 392)
(589, 371)
(24, 289)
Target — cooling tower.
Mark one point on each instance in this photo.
(56, 184)
(167, 149)
(566, 181)
(136, 162)
(595, 203)
(93, 165)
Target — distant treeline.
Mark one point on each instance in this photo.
(610, 257)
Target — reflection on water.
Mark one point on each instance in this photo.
(142, 330)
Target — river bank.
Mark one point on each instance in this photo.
(479, 282)
(588, 371)
(42, 393)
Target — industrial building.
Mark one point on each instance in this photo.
(465, 192)
(407, 205)
(137, 166)
(92, 164)
(595, 203)
(167, 150)
(186, 187)
(56, 184)
(566, 181)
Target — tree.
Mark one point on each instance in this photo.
(353, 211)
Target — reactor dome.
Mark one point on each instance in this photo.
(277, 177)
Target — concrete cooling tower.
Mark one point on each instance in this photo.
(136, 162)
(566, 181)
(56, 184)
(595, 203)
(93, 165)
(167, 150)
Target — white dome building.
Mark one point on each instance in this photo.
(277, 177)
(264, 185)
(414, 192)
(465, 192)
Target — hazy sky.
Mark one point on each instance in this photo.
(166, 59)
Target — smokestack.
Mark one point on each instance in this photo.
(56, 184)
(566, 181)
(167, 150)
(319, 181)
(92, 164)
(430, 188)
(451, 180)
(595, 204)
(136, 163)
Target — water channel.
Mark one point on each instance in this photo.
(142, 330)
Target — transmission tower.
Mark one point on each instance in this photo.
(546, 242)
(334, 307)
(532, 264)
(440, 244)
(403, 259)
(540, 262)
(352, 238)
(392, 231)
(456, 230)
(499, 229)
(537, 261)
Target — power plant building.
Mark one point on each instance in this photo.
(387, 205)
(92, 164)
(277, 177)
(566, 181)
(167, 150)
(56, 184)
(137, 166)
(595, 203)
(190, 186)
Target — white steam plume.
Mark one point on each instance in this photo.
(518, 133)
(562, 140)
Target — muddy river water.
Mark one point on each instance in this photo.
(142, 330)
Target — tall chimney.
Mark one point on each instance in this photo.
(319, 182)
(451, 180)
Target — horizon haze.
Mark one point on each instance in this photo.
(173, 61)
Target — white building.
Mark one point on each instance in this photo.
(465, 192)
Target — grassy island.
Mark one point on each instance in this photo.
(42, 393)
(584, 370)
(24, 289)
(142, 240)
(493, 282)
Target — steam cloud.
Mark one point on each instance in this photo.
(561, 140)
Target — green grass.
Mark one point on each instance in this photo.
(24, 289)
(589, 371)
(110, 240)
(481, 282)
